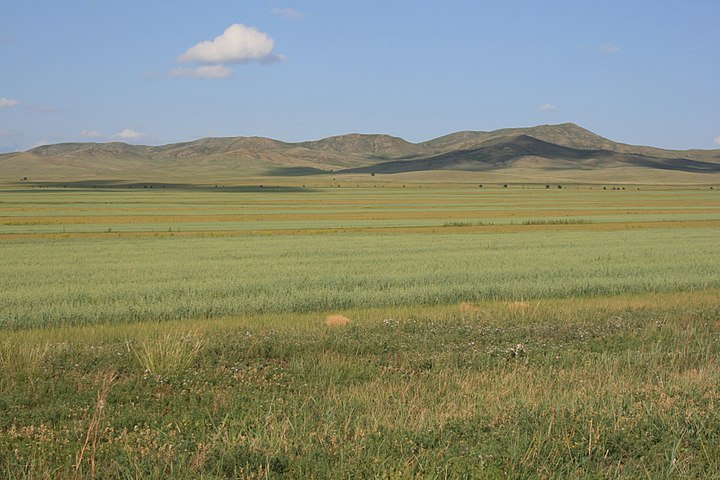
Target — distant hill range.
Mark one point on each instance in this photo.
(544, 153)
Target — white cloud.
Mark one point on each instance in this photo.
(129, 134)
(548, 107)
(609, 48)
(91, 134)
(207, 71)
(238, 44)
(286, 12)
(8, 102)
(717, 140)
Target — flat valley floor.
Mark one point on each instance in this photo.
(375, 331)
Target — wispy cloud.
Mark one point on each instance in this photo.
(548, 107)
(238, 44)
(5, 133)
(129, 134)
(8, 102)
(717, 140)
(43, 108)
(609, 48)
(286, 12)
(91, 134)
(206, 71)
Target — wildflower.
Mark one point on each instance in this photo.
(517, 351)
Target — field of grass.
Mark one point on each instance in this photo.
(88, 281)
(623, 387)
(479, 333)
(36, 211)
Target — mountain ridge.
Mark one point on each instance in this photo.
(547, 148)
(566, 134)
(504, 153)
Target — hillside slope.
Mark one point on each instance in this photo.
(507, 152)
(520, 153)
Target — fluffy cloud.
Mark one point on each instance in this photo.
(129, 134)
(548, 107)
(8, 102)
(238, 44)
(91, 134)
(207, 71)
(609, 48)
(717, 140)
(286, 12)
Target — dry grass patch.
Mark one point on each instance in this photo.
(336, 321)
(466, 307)
(518, 306)
(473, 310)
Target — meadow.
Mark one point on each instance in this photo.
(360, 332)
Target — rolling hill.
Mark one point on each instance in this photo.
(508, 152)
(543, 153)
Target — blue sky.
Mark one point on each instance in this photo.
(161, 71)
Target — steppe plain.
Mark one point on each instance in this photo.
(357, 326)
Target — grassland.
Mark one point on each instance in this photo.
(493, 333)
(56, 211)
(130, 280)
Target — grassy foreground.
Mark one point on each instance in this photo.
(622, 387)
(368, 333)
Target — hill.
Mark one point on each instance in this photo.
(508, 152)
(564, 152)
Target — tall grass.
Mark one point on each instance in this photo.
(167, 353)
(622, 387)
(88, 281)
(22, 359)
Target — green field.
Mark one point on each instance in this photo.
(519, 332)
